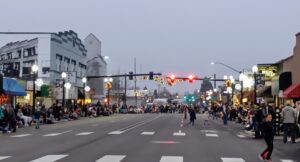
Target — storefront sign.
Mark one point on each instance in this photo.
(3, 99)
(269, 70)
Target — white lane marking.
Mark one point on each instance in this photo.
(165, 142)
(116, 132)
(233, 160)
(111, 158)
(179, 133)
(21, 135)
(94, 125)
(52, 134)
(84, 133)
(128, 128)
(241, 136)
(209, 131)
(147, 133)
(4, 157)
(284, 160)
(56, 134)
(171, 159)
(49, 158)
(211, 135)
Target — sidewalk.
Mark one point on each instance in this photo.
(288, 149)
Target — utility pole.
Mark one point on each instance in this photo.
(125, 97)
(215, 82)
(135, 92)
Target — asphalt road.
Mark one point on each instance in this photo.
(138, 138)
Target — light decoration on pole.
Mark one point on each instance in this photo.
(39, 82)
(84, 80)
(87, 88)
(64, 75)
(68, 85)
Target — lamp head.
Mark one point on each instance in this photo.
(34, 68)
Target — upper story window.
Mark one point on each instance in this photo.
(2, 57)
(16, 55)
(9, 55)
(58, 62)
(29, 52)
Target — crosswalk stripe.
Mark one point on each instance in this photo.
(147, 133)
(4, 157)
(284, 160)
(211, 135)
(179, 133)
(52, 134)
(116, 132)
(50, 158)
(21, 135)
(233, 160)
(84, 133)
(56, 134)
(171, 159)
(111, 158)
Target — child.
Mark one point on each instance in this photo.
(269, 138)
(206, 117)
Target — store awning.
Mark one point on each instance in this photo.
(292, 92)
(12, 87)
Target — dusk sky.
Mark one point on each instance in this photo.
(168, 36)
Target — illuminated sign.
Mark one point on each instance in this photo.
(3, 99)
(269, 70)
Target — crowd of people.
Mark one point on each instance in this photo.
(19, 116)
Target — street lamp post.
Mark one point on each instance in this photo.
(238, 71)
(63, 76)
(84, 84)
(34, 69)
(255, 70)
(108, 82)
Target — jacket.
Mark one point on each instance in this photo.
(289, 115)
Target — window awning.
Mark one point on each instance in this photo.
(12, 87)
(292, 92)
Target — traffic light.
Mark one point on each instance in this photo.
(131, 75)
(171, 79)
(191, 78)
(151, 76)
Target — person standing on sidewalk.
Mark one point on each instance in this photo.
(289, 122)
(267, 127)
(11, 117)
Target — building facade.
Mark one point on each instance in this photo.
(96, 66)
(54, 53)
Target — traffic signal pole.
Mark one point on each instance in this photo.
(130, 75)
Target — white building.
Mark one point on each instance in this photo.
(96, 66)
(54, 53)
